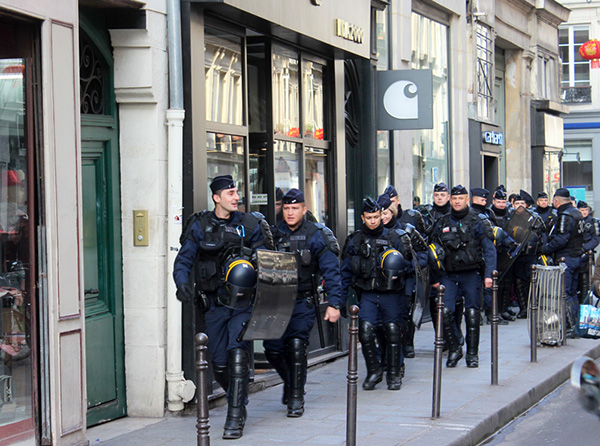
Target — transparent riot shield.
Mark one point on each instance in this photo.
(276, 291)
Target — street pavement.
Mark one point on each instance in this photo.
(471, 408)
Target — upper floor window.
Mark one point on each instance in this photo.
(575, 84)
(485, 73)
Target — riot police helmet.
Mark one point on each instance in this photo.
(499, 235)
(392, 264)
(240, 280)
(436, 254)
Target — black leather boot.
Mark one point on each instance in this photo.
(381, 345)
(366, 335)
(298, 364)
(472, 316)
(221, 374)
(408, 344)
(522, 291)
(237, 394)
(454, 349)
(393, 376)
(488, 318)
(279, 362)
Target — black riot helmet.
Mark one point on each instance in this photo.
(436, 254)
(499, 235)
(240, 280)
(392, 264)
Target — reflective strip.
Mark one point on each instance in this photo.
(235, 263)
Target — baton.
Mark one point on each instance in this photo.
(316, 303)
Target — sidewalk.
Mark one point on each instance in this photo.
(471, 408)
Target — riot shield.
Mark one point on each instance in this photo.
(422, 287)
(276, 291)
(519, 227)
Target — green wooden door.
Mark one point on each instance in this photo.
(101, 210)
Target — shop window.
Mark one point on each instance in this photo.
(575, 84)
(431, 148)
(224, 82)
(313, 78)
(316, 184)
(225, 156)
(287, 165)
(286, 95)
(577, 166)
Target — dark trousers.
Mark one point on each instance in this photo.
(223, 326)
(300, 326)
(464, 283)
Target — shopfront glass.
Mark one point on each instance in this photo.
(315, 184)
(431, 148)
(224, 82)
(16, 266)
(577, 164)
(286, 94)
(287, 165)
(225, 156)
(312, 74)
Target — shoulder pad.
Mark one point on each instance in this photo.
(412, 212)
(329, 238)
(400, 232)
(187, 227)
(409, 228)
(258, 215)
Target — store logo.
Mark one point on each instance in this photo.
(404, 99)
(401, 100)
(495, 138)
(349, 31)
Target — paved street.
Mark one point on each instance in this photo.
(558, 419)
(471, 408)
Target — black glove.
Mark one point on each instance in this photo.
(185, 292)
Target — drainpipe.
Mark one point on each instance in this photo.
(179, 390)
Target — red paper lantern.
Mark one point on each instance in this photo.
(590, 50)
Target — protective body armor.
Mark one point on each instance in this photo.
(413, 217)
(591, 227)
(502, 216)
(431, 214)
(463, 251)
(575, 246)
(298, 243)
(548, 216)
(366, 272)
(222, 242)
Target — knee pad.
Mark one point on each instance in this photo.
(366, 332)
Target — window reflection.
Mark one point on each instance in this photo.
(223, 74)
(287, 165)
(286, 105)
(431, 147)
(15, 266)
(313, 99)
(225, 156)
(315, 184)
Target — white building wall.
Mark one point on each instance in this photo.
(141, 89)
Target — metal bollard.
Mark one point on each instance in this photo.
(203, 422)
(564, 304)
(495, 321)
(352, 378)
(438, 352)
(533, 308)
(590, 269)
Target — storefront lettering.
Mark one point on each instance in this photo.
(349, 31)
(495, 138)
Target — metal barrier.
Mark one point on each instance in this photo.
(203, 421)
(495, 321)
(439, 348)
(533, 307)
(549, 290)
(352, 378)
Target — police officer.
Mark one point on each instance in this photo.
(316, 250)
(374, 261)
(479, 197)
(219, 247)
(566, 240)
(467, 247)
(390, 221)
(591, 239)
(410, 216)
(441, 206)
(528, 254)
(500, 208)
(546, 212)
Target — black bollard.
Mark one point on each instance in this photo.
(564, 303)
(202, 425)
(352, 378)
(590, 269)
(533, 307)
(438, 352)
(495, 320)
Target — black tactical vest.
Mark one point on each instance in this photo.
(222, 242)
(463, 250)
(575, 246)
(297, 243)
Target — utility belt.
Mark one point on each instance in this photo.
(308, 296)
